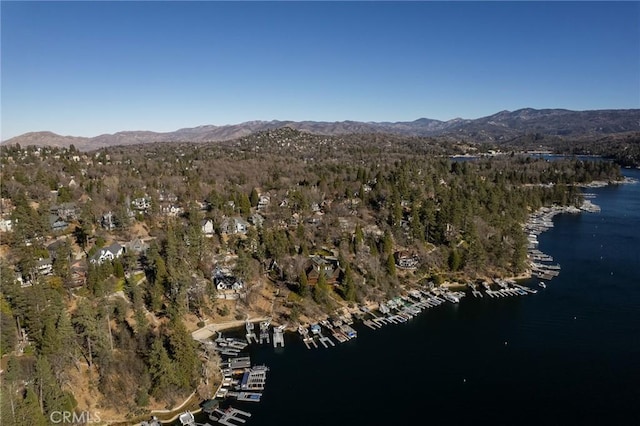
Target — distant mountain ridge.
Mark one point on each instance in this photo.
(500, 126)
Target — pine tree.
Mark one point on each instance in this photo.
(321, 290)
(349, 285)
(183, 353)
(455, 260)
(391, 265)
(50, 395)
(387, 243)
(160, 369)
(244, 204)
(254, 197)
(28, 411)
(304, 285)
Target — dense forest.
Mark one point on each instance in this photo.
(111, 258)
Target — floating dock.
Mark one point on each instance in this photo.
(240, 362)
(251, 335)
(254, 378)
(278, 336)
(245, 396)
(229, 415)
(326, 342)
(264, 332)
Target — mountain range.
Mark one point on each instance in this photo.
(501, 126)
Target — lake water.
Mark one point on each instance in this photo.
(568, 355)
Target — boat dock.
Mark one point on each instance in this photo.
(245, 396)
(254, 378)
(278, 336)
(326, 341)
(187, 419)
(240, 362)
(251, 335)
(264, 332)
(229, 415)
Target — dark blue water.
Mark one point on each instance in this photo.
(569, 355)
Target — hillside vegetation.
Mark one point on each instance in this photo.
(261, 211)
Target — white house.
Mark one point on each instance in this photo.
(263, 202)
(44, 266)
(235, 225)
(141, 203)
(207, 227)
(110, 253)
(6, 225)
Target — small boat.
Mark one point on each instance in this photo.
(542, 284)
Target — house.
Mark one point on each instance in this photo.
(142, 203)
(406, 260)
(67, 211)
(234, 225)
(263, 202)
(6, 225)
(204, 205)
(327, 265)
(224, 281)
(78, 273)
(172, 210)
(44, 266)
(110, 253)
(256, 220)
(137, 246)
(167, 196)
(107, 221)
(57, 223)
(206, 225)
(54, 247)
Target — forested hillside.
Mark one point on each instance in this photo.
(111, 258)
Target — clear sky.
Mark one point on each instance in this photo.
(87, 68)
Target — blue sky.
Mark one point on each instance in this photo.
(87, 68)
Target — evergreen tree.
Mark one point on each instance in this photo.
(183, 353)
(8, 337)
(391, 265)
(304, 285)
(349, 285)
(28, 411)
(321, 290)
(455, 260)
(50, 395)
(160, 369)
(387, 243)
(244, 204)
(254, 197)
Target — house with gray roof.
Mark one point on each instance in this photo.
(109, 253)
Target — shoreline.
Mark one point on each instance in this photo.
(544, 214)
